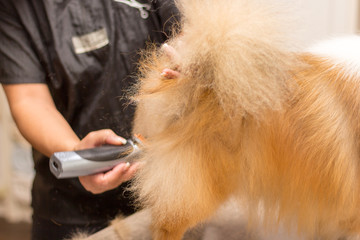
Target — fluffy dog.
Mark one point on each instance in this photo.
(249, 117)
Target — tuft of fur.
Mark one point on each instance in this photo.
(229, 222)
(228, 48)
(112, 232)
(79, 236)
(247, 117)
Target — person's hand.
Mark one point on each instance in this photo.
(102, 182)
(173, 55)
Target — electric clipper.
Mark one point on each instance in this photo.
(94, 160)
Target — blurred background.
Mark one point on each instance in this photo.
(319, 19)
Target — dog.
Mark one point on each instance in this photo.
(249, 117)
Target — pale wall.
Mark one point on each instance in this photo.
(327, 18)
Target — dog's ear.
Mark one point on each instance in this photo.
(238, 49)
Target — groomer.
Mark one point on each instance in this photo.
(66, 66)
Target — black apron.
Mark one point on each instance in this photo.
(86, 51)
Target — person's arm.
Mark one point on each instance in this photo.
(47, 131)
(37, 118)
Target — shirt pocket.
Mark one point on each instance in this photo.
(81, 37)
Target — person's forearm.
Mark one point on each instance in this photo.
(47, 131)
(39, 121)
(44, 128)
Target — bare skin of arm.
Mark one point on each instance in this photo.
(41, 124)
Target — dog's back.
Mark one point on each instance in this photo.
(304, 159)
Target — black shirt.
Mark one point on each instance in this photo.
(86, 52)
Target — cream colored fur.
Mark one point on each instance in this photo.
(249, 117)
(229, 222)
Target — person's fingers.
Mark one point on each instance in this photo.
(102, 182)
(104, 136)
(115, 176)
(174, 72)
(131, 171)
(115, 140)
(170, 52)
(96, 183)
(98, 138)
(121, 173)
(92, 183)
